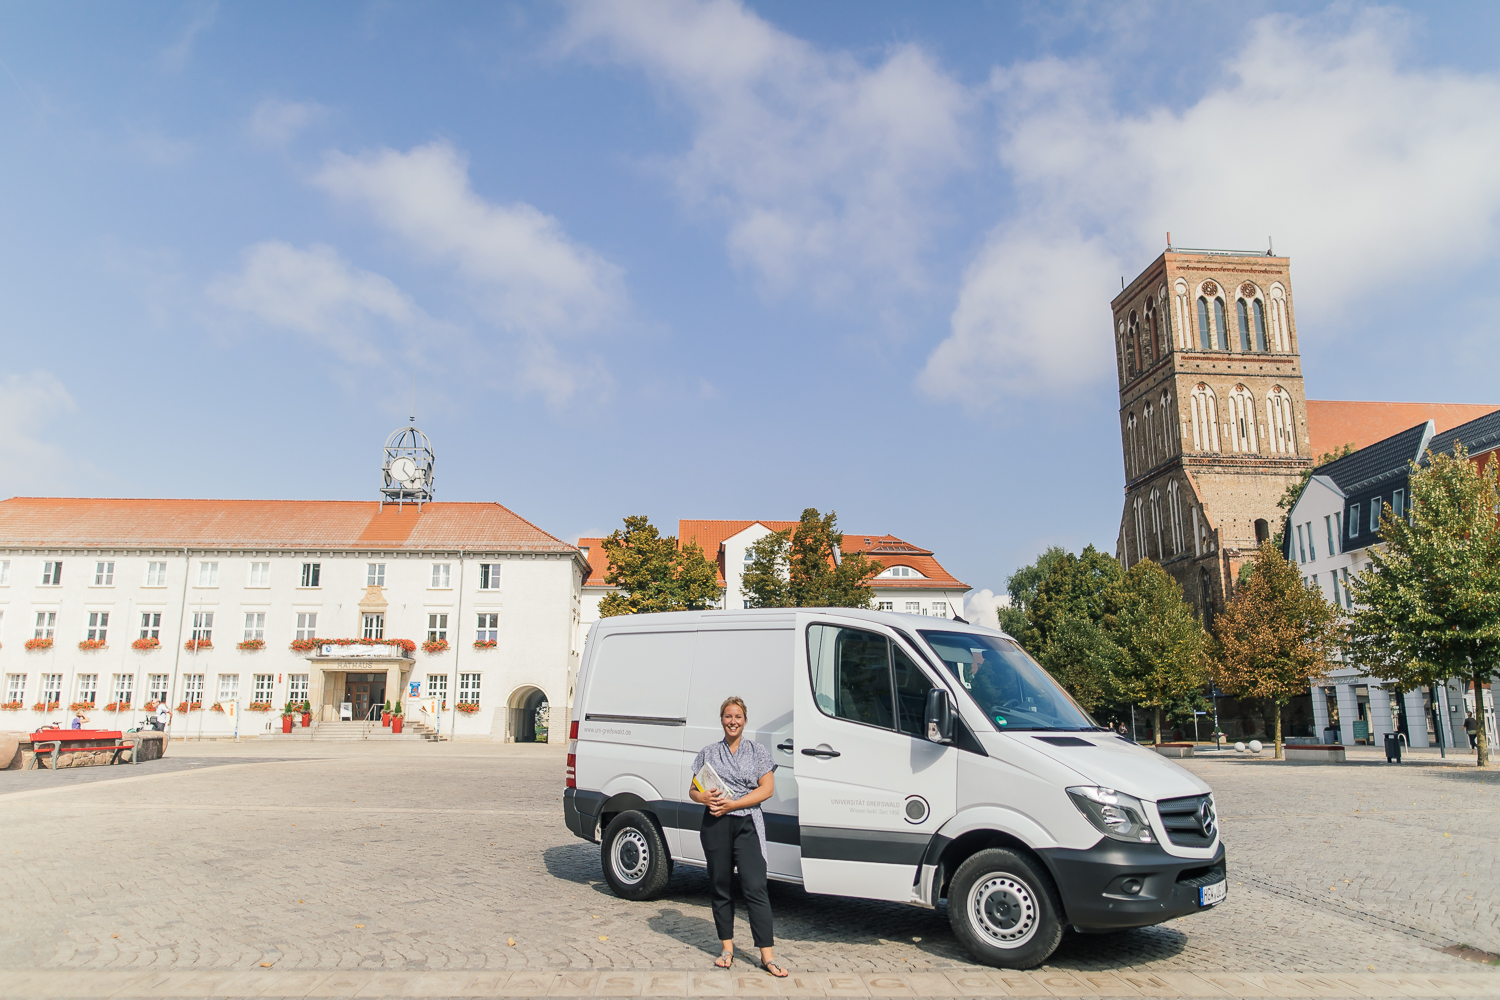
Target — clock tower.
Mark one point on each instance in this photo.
(406, 473)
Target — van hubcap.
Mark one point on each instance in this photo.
(632, 856)
(1004, 910)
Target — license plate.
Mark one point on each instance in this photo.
(1208, 895)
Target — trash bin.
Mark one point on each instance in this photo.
(1393, 747)
(1330, 735)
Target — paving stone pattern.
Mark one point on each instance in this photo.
(410, 870)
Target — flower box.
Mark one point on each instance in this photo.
(193, 645)
(46, 706)
(90, 644)
(81, 706)
(467, 707)
(196, 706)
(145, 644)
(11, 706)
(117, 706)
(32, 645)
(216, 707)
(484, 644)
(259, 706)
(435, 646)
(252, 644)
(407, 646)
(150, 706)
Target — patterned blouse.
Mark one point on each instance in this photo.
(741, 772)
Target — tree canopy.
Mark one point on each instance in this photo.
(805, 567)
(654, 573)
(1293, 491)
(1275, 635)
(1431, 596)
(1161, 662)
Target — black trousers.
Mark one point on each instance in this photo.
(729, 841)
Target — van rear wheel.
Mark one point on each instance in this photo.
(636, 863)
(1004, 908)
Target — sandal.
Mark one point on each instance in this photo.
(773, 969)
(725, 960)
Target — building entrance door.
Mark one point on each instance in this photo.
(367, 696)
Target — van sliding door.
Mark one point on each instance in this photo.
(873, 790)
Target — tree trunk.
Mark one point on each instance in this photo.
(1481, 737)
(1278, 730)
(1156, 734)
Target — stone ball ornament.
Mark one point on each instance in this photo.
(1255, 746)
(1239, 748)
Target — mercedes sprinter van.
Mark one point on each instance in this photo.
(917, 760)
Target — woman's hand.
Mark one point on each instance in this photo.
(719, 803)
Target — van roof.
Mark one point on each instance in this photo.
(891, 618)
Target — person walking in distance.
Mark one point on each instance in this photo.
(1471, 730)
(734, 831)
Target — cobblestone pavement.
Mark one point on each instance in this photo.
(436, 870)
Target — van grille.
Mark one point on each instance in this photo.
(1189, 822)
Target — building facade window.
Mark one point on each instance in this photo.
(1398, 503)
(1260, 326)
(913, 607)
(1332, 532)
(488, 627)
(1221, 332)
(264, 688)
(52, 688)
(46, 624)
(104, 574)
(1205, 411)
(940, 609)
(229, 687)
(297, 687)
(1174, 515)
(1312, 544)
(192, 688)
(375, 575)
(884, 605)
(1280, 421)
(1375, 515)
(88, 688)
(4, 572)
(489, 576)
(442, 575)
(52, 574)
(1348, 598)
(1243, 315)
(1281, 334)
(1301, 546)
(156, 574)
(311, 574)
(260, 574)
(1205, 332)
(157, 687)
(437, 628)
(203, 626)
(124, 689)
(1242, 436)
(208, 574)
(468, 688)
(437, 687)
(374, 626)
(1148, 442)
(1353, 522)
(255, 627)
(307, 625)
(15, 688)
(98, 630)
(1334, 579)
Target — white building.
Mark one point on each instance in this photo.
(465, 612)
(912, 582)
(1331, 529)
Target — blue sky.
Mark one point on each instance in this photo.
(707, 260)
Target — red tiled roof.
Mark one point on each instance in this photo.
(268, 524)
(888, 549)
(1335, 422)
(598, 561)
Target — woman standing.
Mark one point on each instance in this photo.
(734, 831)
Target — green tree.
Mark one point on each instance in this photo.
(1064, 626)
(1293, 491)
(1022, 586)
(1161, 661)
(1276, 634)
(1433, 591)
(654, 573)
(804, 567)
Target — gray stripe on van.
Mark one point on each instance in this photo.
(640, 720)
(884, 847)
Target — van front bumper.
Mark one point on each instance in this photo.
(1093, 884)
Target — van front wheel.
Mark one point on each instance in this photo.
(636, 863)
(1004, 908)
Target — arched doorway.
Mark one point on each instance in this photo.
(527, 716)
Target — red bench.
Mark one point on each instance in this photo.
(94, 740)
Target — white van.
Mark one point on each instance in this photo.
(918, 759)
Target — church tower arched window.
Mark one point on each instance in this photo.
(1260, 325)
(1281, 334)
(1205, 412)
(1174, 515)
(1156, 521)
(1180, 315)
(1244, 318)
(1205, 331)
(1280, 421)
(1132, 467)
(1148, 436)
(1221, 332)
(1242, 437)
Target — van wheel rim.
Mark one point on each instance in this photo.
(631, 856)
(1004, 911)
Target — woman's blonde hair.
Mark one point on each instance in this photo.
(735, 699)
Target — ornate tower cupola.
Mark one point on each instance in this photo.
(407, 470)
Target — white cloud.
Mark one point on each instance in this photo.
(276, 123)
(175, 56)
(317, 293)
(28, 404)
(823, 167)
(528, 276)
(1366, 171)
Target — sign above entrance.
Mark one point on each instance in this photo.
(343, 652)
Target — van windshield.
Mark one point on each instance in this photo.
(1012, 689)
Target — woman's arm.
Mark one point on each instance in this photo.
(763, 790)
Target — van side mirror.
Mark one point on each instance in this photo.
(939, 716)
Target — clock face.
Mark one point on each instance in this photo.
(405, 472)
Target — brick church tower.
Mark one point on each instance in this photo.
(1213, 420)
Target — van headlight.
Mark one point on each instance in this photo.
(1114, 814)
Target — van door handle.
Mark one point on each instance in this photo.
(785, 747)
(820, 752)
